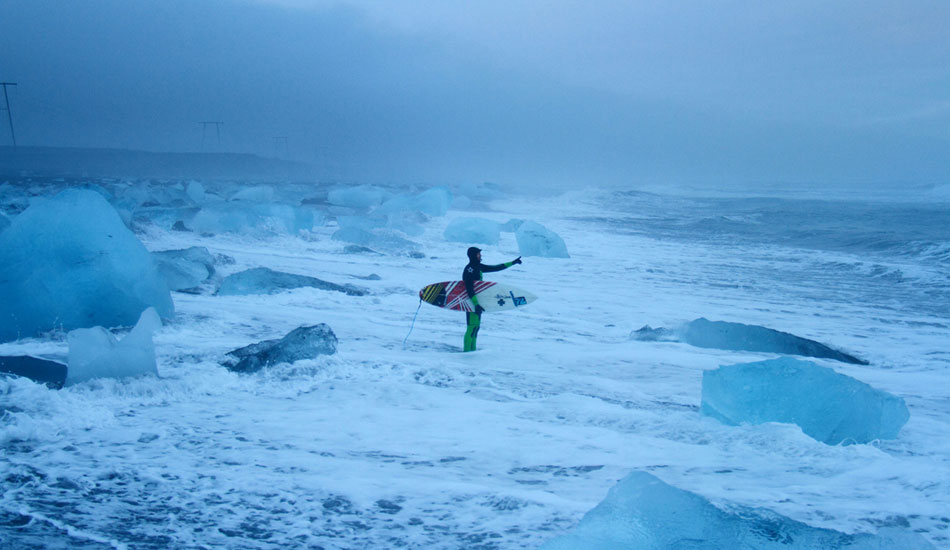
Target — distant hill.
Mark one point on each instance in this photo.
(122, 163)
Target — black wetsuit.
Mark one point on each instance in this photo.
(473, 272)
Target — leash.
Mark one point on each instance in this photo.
(412, 325)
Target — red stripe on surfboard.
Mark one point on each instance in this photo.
(456, 298)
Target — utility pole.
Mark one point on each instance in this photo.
(278, 142)
(7, 109)
(204, 128)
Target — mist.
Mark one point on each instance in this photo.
(556, 94)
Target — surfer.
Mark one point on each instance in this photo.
(473, 272)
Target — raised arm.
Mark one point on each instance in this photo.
(499, 267)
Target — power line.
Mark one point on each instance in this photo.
(6, 100)
(204, 127)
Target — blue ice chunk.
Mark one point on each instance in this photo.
(366, 223)
(4, 222)
(43, 371)
(360, 196)
(166, 195)
(304, 342)
(357, 249)
(69, 262)
(184, 269)
(828, 406)
(643, 512)
(461, 202)
(353, 235)
(261, 280)
(377, 238)
(511, 225)
(95, 352)
(472, 230)
(536, 240)
(737, 336)
(434, 201)
(251, 218)
(165, 217)
(407, 222)
(257, 193)
(196, 192)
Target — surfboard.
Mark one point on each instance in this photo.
(491, 295)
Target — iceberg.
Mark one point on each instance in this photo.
(473, 230)
(828, 406)
(305, 342)
(703, 333)
(42, 371)
(359, 197)
(357, 249)
(184, 269)
(196, 192)
(376, 238)
(95, 352)
(511, 225)
(251, 218)
(432, 202)
(643, 512)
(70, 262)
(536, 240)
(258, 193)
(261, 280)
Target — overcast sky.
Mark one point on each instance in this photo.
(441, 91)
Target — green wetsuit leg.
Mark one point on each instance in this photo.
(473, 320)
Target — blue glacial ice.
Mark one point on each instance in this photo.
(473, 230)
(434, 201)
(305, 342)
(360, 197)
(703, 333)
(253, 219)
(95, 352)
(511, 225)
(4, 222)
(256, 193)
(69, 262)
(261, 280)
(382, 238)
(828, 406)
(642, 512)
(185, 269)
(196, 192)
(42, 371)
(536, 240)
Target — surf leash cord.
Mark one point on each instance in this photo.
(412, 325)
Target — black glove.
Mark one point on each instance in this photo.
(517, 260)
(479, 310)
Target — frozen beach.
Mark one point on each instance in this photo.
(386, 445)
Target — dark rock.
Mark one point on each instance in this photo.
(704, 333)
(261, 280)
(305, 342)
(51, 373)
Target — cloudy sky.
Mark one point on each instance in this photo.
(570, 92)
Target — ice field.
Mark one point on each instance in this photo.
(390, 445)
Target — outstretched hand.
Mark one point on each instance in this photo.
(517, 260)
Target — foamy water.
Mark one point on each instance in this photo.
(385, 446)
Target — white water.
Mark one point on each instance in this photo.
(381, 446)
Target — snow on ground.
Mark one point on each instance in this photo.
(420, 446)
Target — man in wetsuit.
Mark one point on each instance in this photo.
(473, 272)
